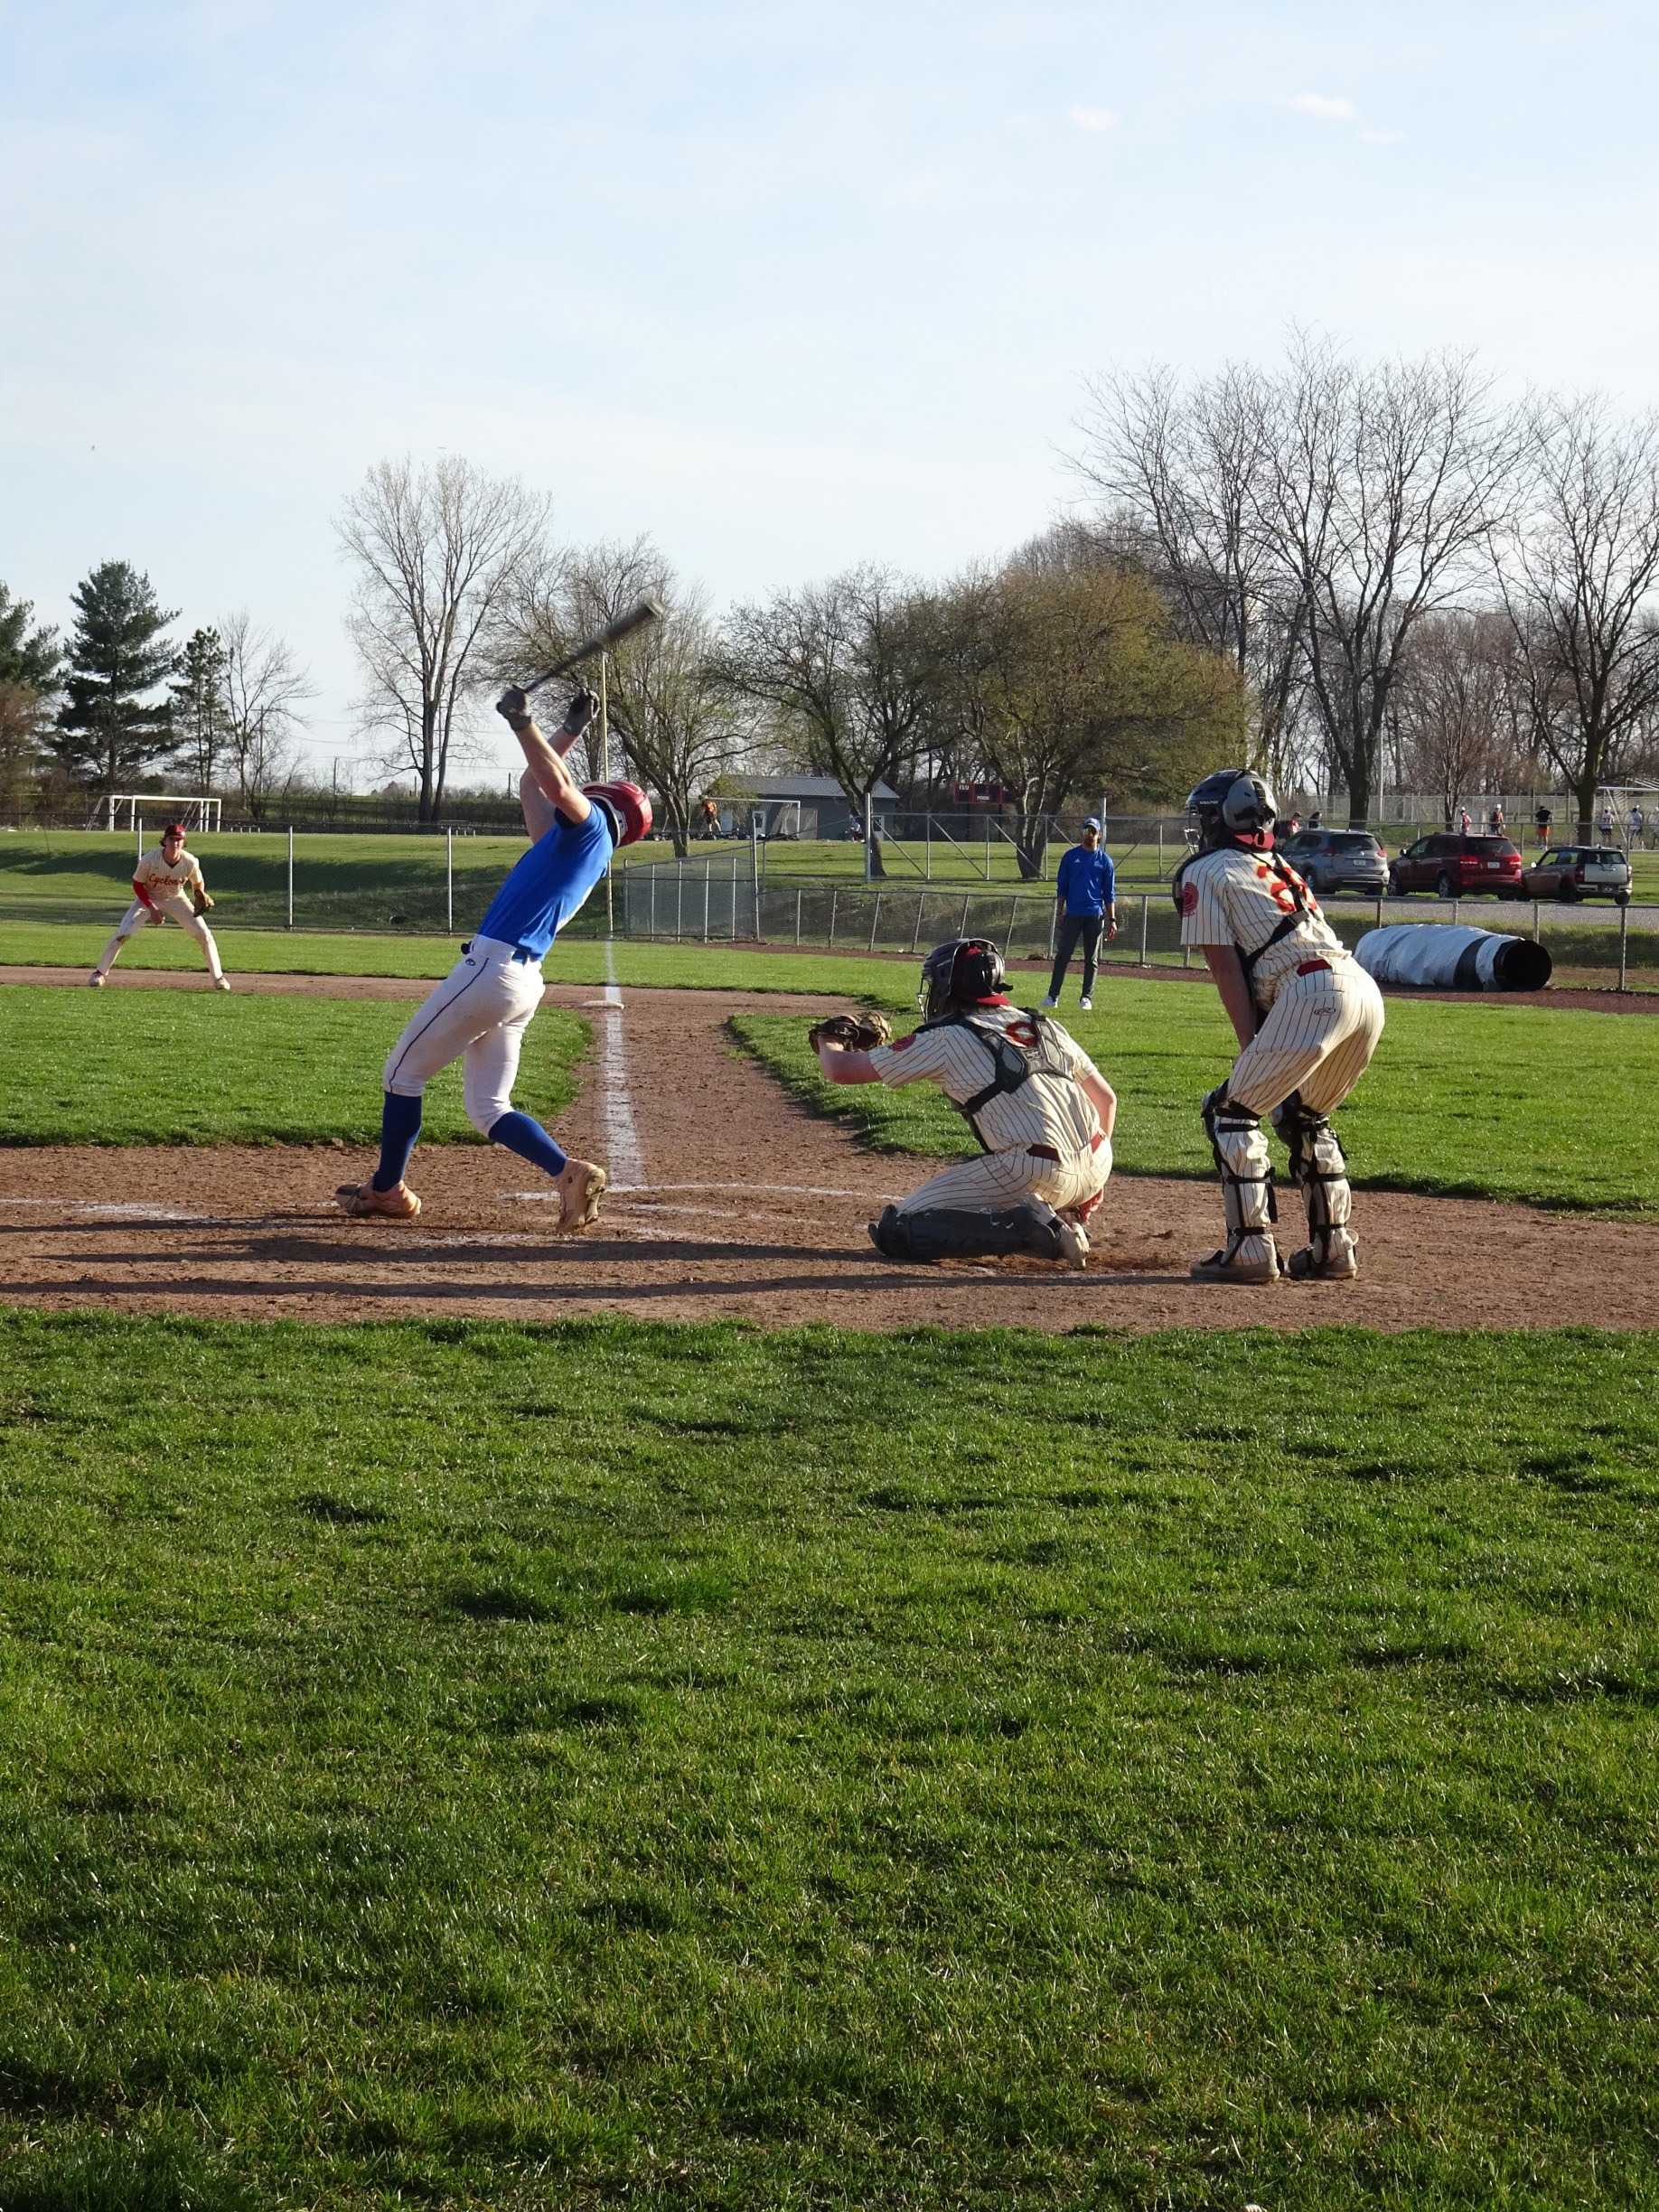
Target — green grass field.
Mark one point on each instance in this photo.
(151, 1068)
(1463, 1100)
(468, 1766)
(351, 881)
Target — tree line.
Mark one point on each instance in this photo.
(1346, 574)
(1414, 578)
(119, 700)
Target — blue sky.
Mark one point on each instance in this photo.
(786, 287)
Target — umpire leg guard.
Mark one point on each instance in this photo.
(963, 1232)
(1318, 1166)
(1246, 1169)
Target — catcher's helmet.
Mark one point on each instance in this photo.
(1233, 803)
(967, 969)
(628, 807)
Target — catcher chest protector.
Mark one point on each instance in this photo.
(1300, 908)
(1013, 1061)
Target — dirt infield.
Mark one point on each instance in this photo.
(728, 1201)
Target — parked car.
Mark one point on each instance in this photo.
(1452, 866)
(1338, 860)
(1568, 872)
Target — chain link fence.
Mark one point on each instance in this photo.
(729, 899)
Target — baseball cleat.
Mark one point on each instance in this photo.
(1309, 1266)
(221, 982)
(1074, 1240)
(95, 981)
(1049, 1002)
(365, 1202)
(1085, 1006)
(580, 1189)
(1249, 1259)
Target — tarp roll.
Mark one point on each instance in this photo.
(1445, 956)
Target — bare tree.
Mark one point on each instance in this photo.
(1578, 576)
(1186, 469)
(264, 690)
(436, 552)
(847, 668)
(1379, 494)
(680, 729)
(1460, 710)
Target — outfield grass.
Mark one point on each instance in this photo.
(1461, 1100)
(467, 1765)
(642, 965)
(156, 1068)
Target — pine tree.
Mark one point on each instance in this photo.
(201, 708)
(28, 664)
(30, 658)
(105, 735)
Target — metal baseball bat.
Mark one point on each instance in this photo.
(644, 611)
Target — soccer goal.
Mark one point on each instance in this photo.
(197, 813)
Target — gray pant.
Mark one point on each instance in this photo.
(1075, 930)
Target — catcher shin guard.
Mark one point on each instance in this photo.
(964, 1233)
(1246, 1172)
(1317, 1163)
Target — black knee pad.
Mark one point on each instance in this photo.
(964, 1233)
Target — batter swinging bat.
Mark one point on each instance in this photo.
(643, 612)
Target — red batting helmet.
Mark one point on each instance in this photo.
(627, 806)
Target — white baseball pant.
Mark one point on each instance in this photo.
(1317, 1038)
(177, 908)
(996, 1179)
(477, 1014)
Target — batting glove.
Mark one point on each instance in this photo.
(584, 706)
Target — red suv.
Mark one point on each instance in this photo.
(1452, 866)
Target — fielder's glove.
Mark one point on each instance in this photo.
(584, 706)
(204, 903)
(851, 1031)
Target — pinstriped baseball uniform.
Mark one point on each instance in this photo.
(1323, 1014)
(1045, 1138)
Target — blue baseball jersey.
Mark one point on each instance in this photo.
(1087, 881)
(549, 884)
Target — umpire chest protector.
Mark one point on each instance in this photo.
(1014, 1062)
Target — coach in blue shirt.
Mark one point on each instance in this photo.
(1085, 903)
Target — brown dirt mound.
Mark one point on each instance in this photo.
(744, 1205)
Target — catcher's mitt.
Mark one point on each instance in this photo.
(850, 1031)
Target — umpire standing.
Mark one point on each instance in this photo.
(1085, 903)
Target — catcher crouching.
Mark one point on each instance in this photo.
(1042, 1111)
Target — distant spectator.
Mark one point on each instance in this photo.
(1316, 820)
(708, 821)
(1542, 819)
(1085, 905)
(1464, 824)
(1636, 824)
(1293, 825)
(1495, 821)
(1604, 822)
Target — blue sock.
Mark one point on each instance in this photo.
(530, 1141)
(399, 1126)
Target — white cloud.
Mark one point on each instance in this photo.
(1092, 118)
(1380, 137)
(1323, 106)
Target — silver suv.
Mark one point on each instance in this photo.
(1338, 860)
